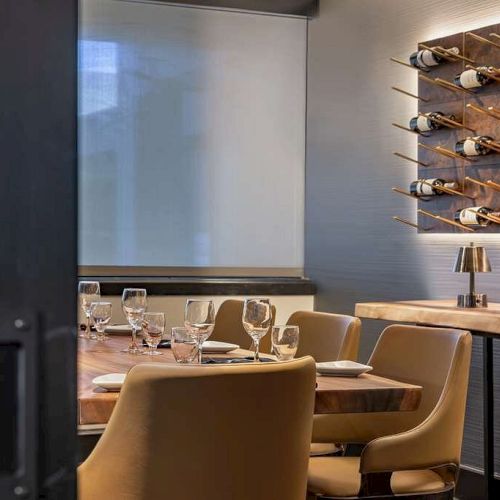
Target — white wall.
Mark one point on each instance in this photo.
(191, 136)
(173, 306)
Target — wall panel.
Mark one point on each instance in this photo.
(354, 251)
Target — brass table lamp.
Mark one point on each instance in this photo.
(472, 260)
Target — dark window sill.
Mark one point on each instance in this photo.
(206, 286)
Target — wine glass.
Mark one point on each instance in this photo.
(257, 318)
(154, 326)
(88, 292)
(199, 318)
(285, 339)
(134, 307)
(101, 315)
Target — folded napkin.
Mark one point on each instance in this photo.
(222, 361)
(119, 329)
(164, 344)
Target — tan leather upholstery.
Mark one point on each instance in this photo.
(437, 440)
(229, 326)
(340, 476)
(431, 437)
(325, 336)
(176, 434)
(407, 353)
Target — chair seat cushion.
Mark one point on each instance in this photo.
(318, 449)
(339, 476)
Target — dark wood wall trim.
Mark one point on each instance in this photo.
(38, 189)
(206, 286)
(307, 8)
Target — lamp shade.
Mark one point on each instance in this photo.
(472, 260)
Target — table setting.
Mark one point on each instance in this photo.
(107, 354)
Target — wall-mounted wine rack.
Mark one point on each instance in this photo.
(473, 181)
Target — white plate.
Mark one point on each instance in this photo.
(117, 329)
(213, 346)
(110, 381)
(342, 368)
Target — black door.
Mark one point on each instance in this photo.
(38, 202)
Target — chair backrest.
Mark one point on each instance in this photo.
(417, 355)
(412, 354)
(229, 326)
(437, 359)
(176, 433)
(325, 336)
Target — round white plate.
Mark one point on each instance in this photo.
(110, 381)
(342, 368)
(213, 346)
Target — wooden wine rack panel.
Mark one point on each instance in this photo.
(482, 168)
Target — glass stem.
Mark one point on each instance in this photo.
(133, 345)
(200, 352)
(151, 350)
(88, 326)
(256, 343)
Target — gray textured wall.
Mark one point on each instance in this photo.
(354, 251)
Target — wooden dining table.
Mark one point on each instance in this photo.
(365, 393)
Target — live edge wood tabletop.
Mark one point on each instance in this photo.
(366, 393)
(436, 313)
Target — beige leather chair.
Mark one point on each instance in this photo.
(229, 326)
(326, 337)
(406, 452)
(175, 434)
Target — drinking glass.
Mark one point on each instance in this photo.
(101, 315)
(184, 346)
(134, 307)
(154, 326)
(199, 318)
(88, 292)
(285, 339)
(257, 318)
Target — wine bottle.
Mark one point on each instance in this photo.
(425, 187)
(472, 79)
(425, 59)
(471, 147)
(472, 216)
(425, 123)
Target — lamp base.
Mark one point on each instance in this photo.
(470, 300)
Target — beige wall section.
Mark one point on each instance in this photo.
(354, 251)
(173, 306)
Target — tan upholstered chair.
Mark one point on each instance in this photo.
(175, 434)
(406, 453)
(229, 326)
(326, 337)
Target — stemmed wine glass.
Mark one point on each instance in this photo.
(199, 318)
(101, 315)
(257, 318)
(134, 307)
(154, 326)
(88, 292)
